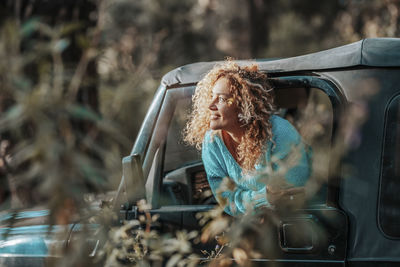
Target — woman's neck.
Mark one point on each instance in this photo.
(232, 143)
(235, 136)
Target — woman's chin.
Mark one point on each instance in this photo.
(214, 126)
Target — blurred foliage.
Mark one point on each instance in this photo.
(56, 146)
(361, 19)
(138, 243)
(77, 77)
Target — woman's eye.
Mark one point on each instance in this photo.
(221, 99)
(224, 100)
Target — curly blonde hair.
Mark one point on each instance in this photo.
(253, 96)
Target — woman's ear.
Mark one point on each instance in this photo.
(242, 118)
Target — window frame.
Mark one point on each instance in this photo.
(338, 102)
(385, 171)
(332, 196)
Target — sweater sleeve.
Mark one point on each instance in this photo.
(291, 152)
(237, 200)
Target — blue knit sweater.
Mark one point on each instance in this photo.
(250, 192)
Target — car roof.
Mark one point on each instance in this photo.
(372, 52)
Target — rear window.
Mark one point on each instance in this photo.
(389, 200)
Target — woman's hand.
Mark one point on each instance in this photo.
(293, 197)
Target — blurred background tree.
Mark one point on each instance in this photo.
(77, 76)
(148, 38)
(49, 113)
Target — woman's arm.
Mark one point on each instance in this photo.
(290, 155)
(292, 159)
(235, 199)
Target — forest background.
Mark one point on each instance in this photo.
(77, 76)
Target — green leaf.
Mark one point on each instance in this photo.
(92, 174)
(22, 83)
(15, 112)
(83, 113)
(29, 27)
(13, 117)
(70, 28)
(82, 41)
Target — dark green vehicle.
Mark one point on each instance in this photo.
(350, 95)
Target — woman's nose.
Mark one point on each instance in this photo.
(213, 106)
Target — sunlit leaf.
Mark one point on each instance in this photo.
(240, 256)
(173, 261)
(61, 45)
(221, 262)
(13, 117)
(215, 227)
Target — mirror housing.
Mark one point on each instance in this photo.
(132, 178)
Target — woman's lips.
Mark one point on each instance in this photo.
(214, 117)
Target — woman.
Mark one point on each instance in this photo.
(233, 122)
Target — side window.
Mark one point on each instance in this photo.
(183, 178)
(167, 155)
(310, 110)
(389, 200)
(177, 152)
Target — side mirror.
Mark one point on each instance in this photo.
(132, 182)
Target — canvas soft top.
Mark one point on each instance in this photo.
(373, 52)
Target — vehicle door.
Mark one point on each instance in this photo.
(175, 176)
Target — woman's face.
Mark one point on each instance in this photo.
(224, 112)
